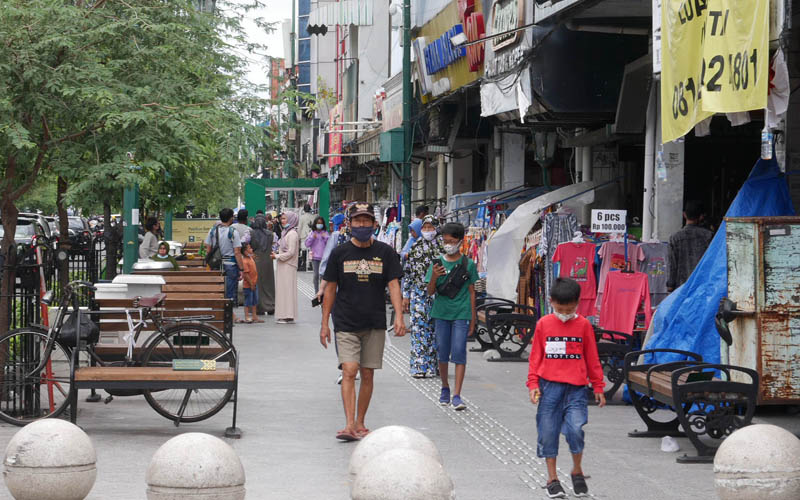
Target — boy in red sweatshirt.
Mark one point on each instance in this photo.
(563, 357)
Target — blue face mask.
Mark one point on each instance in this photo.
(362, 234)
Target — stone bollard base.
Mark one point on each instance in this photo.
(166, 493)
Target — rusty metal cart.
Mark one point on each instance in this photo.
(759, 321)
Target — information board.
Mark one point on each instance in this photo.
(609, 221)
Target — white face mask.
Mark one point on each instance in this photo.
(451, 249)
(565, 317)
(320, 226)
(429, 235)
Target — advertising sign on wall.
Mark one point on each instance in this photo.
(714, 60)
(191, 230)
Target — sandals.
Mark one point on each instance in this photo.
(245, 321)
(347, 436)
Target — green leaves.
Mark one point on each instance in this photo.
(84, 83)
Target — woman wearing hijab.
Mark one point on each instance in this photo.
(413, 235)
(163, 256)
(286, 272)
(416, 300)
(261, 240)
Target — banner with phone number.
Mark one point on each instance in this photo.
(715, 59)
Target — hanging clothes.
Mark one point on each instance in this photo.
(557, 228)
(625, 295)
(612, 258)
(525, 295)
(656, 266)
(576, 261)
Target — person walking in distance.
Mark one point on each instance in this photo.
(261, 241)
(357, 274)
(286, 272)
(563, 357)
(687, 246)
(316, 241)
(227, 239)
(452, 279)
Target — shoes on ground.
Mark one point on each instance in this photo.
(458, 405)
(579, 485)
(444, 398)
(555, 490)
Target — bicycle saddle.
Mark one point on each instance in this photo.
(153, 301)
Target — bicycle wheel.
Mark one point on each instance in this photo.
(25, 398)
(189, 341)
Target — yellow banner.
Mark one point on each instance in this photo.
(191, 230)
(714, 60)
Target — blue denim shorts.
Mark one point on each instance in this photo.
(251, 297)
(562, 410)
(451, 340)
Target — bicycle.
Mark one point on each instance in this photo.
(36, 361)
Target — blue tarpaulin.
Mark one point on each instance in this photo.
(685, 319)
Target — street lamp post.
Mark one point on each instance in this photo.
(407, 143)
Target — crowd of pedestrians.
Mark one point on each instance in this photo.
(433, 282)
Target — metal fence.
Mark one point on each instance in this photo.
(86, 261)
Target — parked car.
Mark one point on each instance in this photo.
(53, 222)
(29, 231)
(48, 232)
(80, 236)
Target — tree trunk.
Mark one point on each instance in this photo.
(8, 256)
(64, 242)
(109, 234)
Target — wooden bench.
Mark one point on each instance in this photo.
(148, 378)
(612, 346)
(483, 308)
(175, 306)
(707, 408)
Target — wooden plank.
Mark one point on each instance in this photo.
(193, 272)
(195, 296)
(117, 350)
(210, 278)
(193, 288)
(108, 317)
(147, 373)
(192, 263)
(172, 303)
(122, 326)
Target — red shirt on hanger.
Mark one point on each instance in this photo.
(623, 296)
(577, 263)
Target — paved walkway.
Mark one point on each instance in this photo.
(290, 409)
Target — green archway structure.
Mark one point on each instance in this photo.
(255, 189)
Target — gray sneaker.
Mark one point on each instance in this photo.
(555, 490)
(579, 485)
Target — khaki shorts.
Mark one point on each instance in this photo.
(364, 347)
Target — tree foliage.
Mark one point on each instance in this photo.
(83, 83)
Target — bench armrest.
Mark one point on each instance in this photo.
(600, 333)
(727, 369)
(632, 358)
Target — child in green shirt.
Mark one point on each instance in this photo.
(453, 308)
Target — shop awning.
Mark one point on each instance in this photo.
(355, 12)
(505, 246)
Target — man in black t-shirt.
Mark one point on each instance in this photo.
(358, 272)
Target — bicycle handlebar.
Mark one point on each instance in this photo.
(82, 284)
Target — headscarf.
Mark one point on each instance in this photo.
(420, 256)
(416, 225)
(261, 236)
(158, 258)
(291, 223)
(337, 221)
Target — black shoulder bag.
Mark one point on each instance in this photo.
(214, 257)
(456, 279)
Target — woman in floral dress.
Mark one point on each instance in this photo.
(427, 248)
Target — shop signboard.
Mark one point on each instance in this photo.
(714, 60)
(507, 15)
(444, 66)
(335, 138)
(609, 221)
(191, 230)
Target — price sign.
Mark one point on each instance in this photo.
(714, 59)
(609, 221)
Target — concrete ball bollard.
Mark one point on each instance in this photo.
(193, 466)
(756, 462)
(402, 474)
(389, 438)
(51, 459)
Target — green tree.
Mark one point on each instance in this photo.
(86, 82)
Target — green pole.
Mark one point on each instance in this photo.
(168, 225)
(130, 233)
(325, 201)
(290, 170)
(406, 117)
